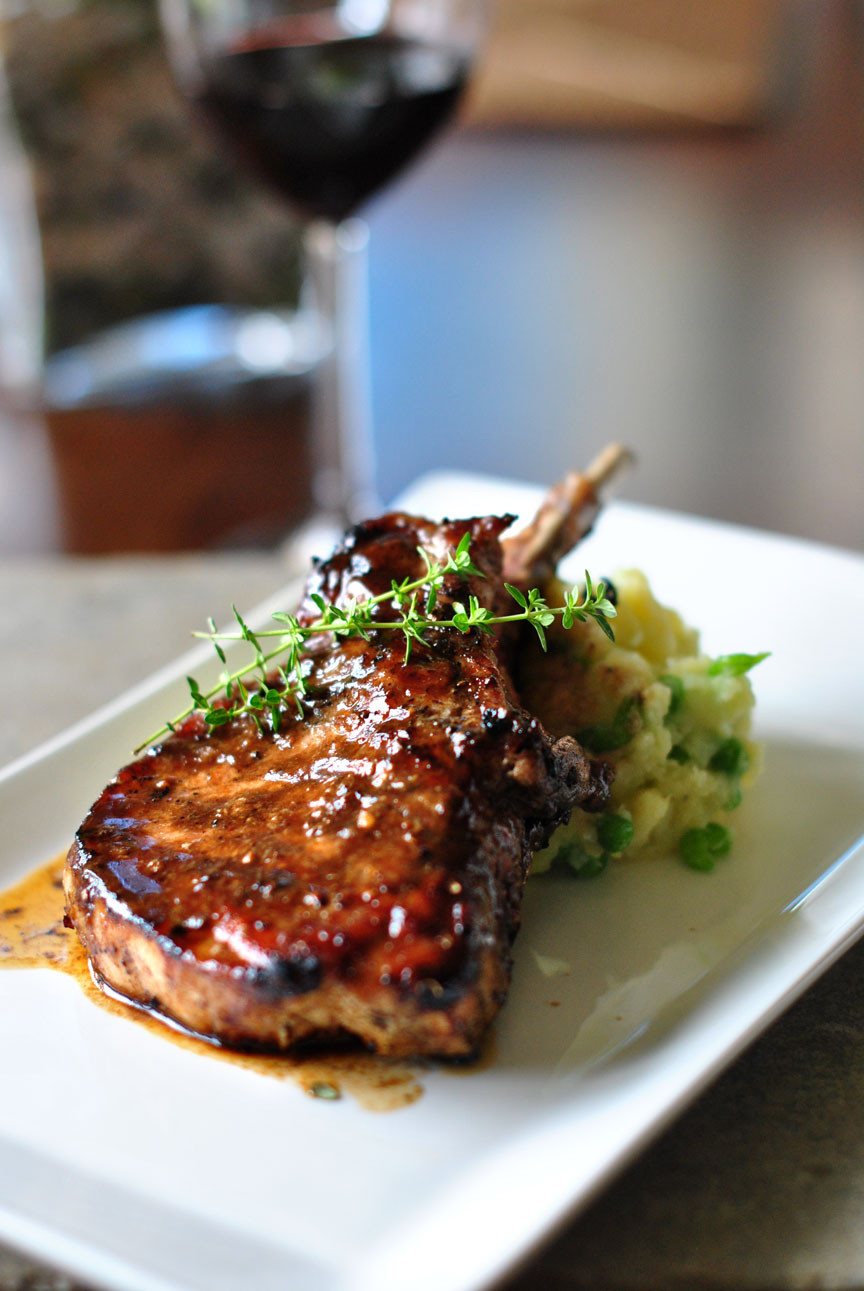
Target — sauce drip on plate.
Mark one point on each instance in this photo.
(32, 935)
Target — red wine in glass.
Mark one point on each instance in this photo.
(327, 123)
(325, 101)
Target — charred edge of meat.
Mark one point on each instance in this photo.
(294, 975)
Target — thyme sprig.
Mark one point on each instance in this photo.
(283, 683)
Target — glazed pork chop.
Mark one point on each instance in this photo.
(361, 871)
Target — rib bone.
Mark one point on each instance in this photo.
(566, 515)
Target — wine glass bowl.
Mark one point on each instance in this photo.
(325, 104)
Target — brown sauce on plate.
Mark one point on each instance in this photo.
(32, 935)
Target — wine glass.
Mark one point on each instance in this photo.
(326, 102)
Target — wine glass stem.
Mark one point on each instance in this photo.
(342, 471)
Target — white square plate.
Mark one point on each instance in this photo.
(136, 1164)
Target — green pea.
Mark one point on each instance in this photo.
(676, 699)
(582, 863)
(734, 799)
(730, 758)
(702, 848)
(604, 737)
(614, 834)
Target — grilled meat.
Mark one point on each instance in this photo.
(360, 872)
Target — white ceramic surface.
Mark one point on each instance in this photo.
(139, 1165)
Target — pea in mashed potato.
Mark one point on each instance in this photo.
(672, 723)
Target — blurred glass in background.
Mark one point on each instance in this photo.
(177, 371)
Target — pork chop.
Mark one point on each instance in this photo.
(359, 872)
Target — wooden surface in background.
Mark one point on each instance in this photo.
(174, 477)
(636, 64)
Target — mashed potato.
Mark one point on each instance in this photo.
(672, 723)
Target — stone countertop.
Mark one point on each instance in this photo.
(758, 1187)
(132, 614)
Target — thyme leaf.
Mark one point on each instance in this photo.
(278, 674)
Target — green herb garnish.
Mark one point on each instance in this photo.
(735, 665)
(323, 1089)
(278, 673)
